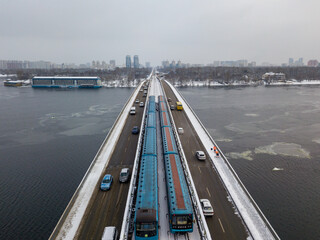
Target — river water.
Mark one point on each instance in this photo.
(48, 139)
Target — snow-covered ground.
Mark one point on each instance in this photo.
(255, 221)
(294, 83)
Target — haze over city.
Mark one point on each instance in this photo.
(191, 31)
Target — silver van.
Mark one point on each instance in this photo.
(110, 233)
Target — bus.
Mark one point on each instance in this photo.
(179, 106)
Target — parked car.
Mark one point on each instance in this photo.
(200, 155)
(106, 182)
(137, 101)
(124, 175)
(135, 130)
(206, 207)
(141, 104)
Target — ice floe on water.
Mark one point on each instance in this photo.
(223, 140)
(251, 127)
(244, 155)
(316, 140)
(285, 149)
(277, 169)
(252, 115)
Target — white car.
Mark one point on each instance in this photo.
(206, 207)
(141, 104)
(180, 130)
(137, 101)
(200, 155)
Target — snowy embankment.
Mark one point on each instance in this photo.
(294, 83)
(70, 220)
(257, 225)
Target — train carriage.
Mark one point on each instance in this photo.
(179, 202)
(146, 215)
(181, 213)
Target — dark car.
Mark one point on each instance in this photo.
(135, 130)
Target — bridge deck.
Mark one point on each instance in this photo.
(107, 208)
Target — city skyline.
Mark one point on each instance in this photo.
(196, 32)
(129, 63)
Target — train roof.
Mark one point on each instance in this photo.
(168, 141)
(150, 142)
(178, 194)
(151, 120)
(147, 195)
(165, 120)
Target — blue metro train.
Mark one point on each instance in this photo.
(179, 202)
(146, 215)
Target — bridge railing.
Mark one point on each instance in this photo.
(273, 232)
(202, 224)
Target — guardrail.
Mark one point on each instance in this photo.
(275, 235)
(202, 224)
(56, 230)
(124, 234)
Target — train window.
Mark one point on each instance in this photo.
(146, 226)
(146, 229)
(182, 220)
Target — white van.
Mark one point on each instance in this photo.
(133, 111)
(110, 233)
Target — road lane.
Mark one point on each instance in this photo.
(106, 208)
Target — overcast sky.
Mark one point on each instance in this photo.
(197, 31)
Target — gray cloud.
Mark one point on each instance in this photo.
(194, 31)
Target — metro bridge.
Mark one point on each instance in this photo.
(236, 215)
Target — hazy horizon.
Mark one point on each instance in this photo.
(191, 31)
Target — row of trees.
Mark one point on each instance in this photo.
(230, 74)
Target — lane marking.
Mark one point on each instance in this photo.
(119, 194)
(129, 138)
(221, 225)
(208, 191)
(125, 150)
(199, 169)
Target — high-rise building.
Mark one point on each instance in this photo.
(300, 61)
(290, 61)
(112, 63)
(128, 61)
(136, 61)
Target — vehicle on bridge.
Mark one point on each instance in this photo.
(179, 202)
(206, 207)
(106, 182)
(133, 111)
(135, 130)
(201, 155)
(124, 175)
(179, 106)
(146, 215)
